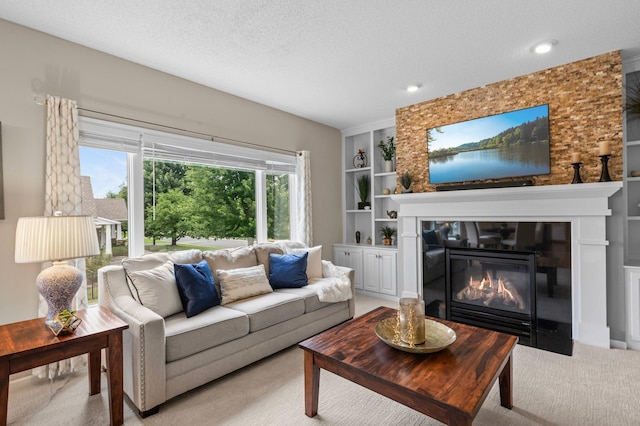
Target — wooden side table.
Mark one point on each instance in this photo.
(28, 344)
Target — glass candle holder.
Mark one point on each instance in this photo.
(412, 320)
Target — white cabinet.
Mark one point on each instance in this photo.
(350, 257)
(375, 263)
(631, 189)
(379, 270)
(632, 282)
(631, 161)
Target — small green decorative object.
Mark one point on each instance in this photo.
(65, 322)
(388, 149)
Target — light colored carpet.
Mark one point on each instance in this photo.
(593, 387)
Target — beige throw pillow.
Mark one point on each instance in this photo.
(314, 260)
(153, 260)
(242, 257)
(262, 254)
(241, 283)
(157, 290)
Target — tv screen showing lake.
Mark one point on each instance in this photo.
(506, 145)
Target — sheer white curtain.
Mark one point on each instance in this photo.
(63, 193)
(304, 223)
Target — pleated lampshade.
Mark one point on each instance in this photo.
(50, 238)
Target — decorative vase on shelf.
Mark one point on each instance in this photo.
(388, 166)
(405, 181)
(360, 160)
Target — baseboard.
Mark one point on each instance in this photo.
(377, 295)
(617, 344)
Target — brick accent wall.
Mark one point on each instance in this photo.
(585, 107)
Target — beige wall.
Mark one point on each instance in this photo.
(37, 64)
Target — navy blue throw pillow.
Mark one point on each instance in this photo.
(288, 270)
(195, 285)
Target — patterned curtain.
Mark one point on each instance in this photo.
(303, 187)
(63, 193)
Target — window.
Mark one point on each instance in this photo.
(185, 201)
(185, 191)
(278, 206)
(104, 196)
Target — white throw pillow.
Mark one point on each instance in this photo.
(157, 289)
(314, 261)
(241, 283)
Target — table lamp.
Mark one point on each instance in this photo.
(56, 238)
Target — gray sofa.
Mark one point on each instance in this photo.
(167, 353)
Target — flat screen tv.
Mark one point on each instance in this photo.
(511, 144)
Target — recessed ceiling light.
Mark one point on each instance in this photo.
(413, 87)
(544, 46)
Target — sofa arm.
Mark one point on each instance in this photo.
(143, 342)
(329, 269)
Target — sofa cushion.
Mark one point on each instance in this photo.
(314, 261)
(241, 283)
(289, 244)
(153, 260)
(196, 288)
(269, 309)
(243, 257)
(156, 289)
(288, 270)
(262, 252)
(308, 294)
(213, 327)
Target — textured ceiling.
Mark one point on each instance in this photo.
(341, 63)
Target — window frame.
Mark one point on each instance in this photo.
(141, 143)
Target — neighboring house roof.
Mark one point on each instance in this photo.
(88, 202)
(111, 208)
(100, 221)
(114, 209)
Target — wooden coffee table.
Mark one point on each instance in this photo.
(449, 385)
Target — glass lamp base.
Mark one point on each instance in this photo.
(58, 285)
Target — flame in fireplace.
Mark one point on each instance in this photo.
(492, 293)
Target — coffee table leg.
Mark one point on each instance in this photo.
(506, 389)
(311, 385)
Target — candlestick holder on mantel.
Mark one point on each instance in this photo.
(604, 174)
(576, 173)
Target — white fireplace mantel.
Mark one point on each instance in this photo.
(585, 206)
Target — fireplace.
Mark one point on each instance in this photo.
(492, 289)
(583, 207)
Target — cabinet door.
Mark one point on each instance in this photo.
(355, 263)
(387, 274)
(633, 308)
(371, 270)
(350, 258)
(340, 256)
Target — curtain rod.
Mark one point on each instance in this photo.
(41, 100)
